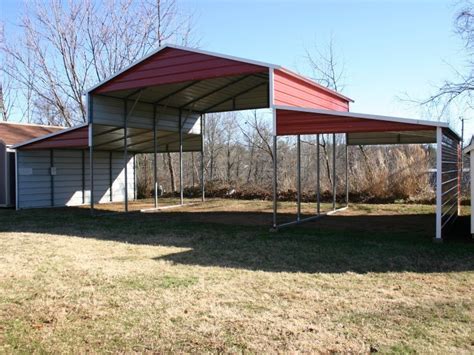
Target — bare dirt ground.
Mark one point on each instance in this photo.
(212, 278)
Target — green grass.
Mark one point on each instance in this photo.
(213, 278)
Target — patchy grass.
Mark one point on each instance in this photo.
(212, 278)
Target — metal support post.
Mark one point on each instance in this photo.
(298, 176)
(181, 190)
(318, 177)
(333, 171)
(91, 151)
(155, 165)
(275, 182)
(347, 173)
(203, 183)
(125, 153)
(91, 166)
(439, 183)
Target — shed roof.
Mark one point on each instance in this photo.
(362, 129)
(74, 138)
(14, 133)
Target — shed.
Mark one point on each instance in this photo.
(54, 171)
(159, 104)
(11, 134)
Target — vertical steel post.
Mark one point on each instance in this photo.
(203, 184)
(51, 166)
(298, 176)
(17, 182)
(333, 171)
(125, 153)
(439, 183)
(318, 177)
(181, 190)
(91, 166)
(83, 177)
(110, 178)
(91, 150)
(460, 172)
(135, 176)
(275, 181)
(347, 173)
(155, 172)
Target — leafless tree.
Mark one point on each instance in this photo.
(63, 47)
(328, 69)
(327, 65)
(460, 89)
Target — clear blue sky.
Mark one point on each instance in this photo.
(389, 46)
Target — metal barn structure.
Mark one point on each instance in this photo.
(11, 134)
(159, 104)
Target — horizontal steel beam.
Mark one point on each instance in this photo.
(308, 219)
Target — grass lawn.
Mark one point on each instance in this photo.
(213, 278)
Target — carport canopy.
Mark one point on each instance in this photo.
(158, 105)
(361, 128)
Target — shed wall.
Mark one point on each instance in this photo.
(450, 178)
(71, 184)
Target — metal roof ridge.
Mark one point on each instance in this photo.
(190, 49)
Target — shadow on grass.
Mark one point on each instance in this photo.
(333, 244)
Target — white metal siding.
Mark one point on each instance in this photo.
(110, 111)
(68, 178)
(35, 189)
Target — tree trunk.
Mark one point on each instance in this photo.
(326, 159)
(171, 170)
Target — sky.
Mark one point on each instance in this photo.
(390, 48)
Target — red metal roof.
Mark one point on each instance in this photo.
(173, 65)
(292, 121)
(73, 138)
(15, 133)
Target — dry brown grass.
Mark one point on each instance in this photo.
(158, 282)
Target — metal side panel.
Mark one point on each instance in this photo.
(68, 178)
(34, 179)
(101, 178)
(118, 177)
(109, 111)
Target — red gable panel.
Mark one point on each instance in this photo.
(73, 139)
(290, 122)
(173, 65)
(292, 90)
